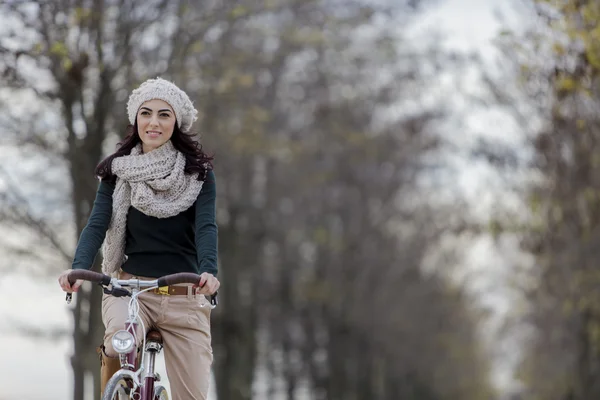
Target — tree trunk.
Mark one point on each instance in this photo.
(78, 346)
(88, 330)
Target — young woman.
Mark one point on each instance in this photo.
(154, 215)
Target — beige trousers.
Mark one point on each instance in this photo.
(185, 328)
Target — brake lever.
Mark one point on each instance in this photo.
(69, 296)
(117, 292)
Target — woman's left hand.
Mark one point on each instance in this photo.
(208, 284)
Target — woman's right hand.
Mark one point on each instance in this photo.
(63, 281)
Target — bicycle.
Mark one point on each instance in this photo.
(128, 383)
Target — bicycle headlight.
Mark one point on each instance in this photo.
(123, 342)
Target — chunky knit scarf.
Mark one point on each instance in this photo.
(155, 184)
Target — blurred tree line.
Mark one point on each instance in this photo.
(558, 61)
(315, 112)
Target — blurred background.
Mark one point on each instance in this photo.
(408, 202)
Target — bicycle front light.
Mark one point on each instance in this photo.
(123, 342)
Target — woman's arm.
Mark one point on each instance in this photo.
(206, 226)
(93, 234)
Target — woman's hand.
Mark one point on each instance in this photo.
(63, 281)
(208, 284)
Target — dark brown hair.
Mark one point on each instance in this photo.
(196, 160)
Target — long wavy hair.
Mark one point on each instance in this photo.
(196, 160)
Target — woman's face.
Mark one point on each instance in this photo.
(156, 122)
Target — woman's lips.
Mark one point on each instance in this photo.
(153, 134)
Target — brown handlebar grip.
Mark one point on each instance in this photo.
(88, 275)
(180, 277)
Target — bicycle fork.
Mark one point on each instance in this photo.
(153, 347)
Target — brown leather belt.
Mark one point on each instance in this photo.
(174, 290)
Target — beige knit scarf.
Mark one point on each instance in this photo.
(155, 184)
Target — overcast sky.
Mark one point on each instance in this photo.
(39, 370)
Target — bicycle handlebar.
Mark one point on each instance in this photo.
(168, 280)
(96, 277)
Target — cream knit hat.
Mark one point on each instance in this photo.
(164, 90)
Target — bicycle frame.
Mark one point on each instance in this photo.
(144, 387)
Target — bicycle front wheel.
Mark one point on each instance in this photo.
(117, 388)
(160, 393)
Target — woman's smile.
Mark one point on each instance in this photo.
(153, 134)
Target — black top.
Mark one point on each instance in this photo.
(186, 242)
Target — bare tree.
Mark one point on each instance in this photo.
(84, 51)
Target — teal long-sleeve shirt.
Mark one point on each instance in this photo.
(155, 247)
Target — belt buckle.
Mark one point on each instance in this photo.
(164, 290)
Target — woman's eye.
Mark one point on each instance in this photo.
(164, 115)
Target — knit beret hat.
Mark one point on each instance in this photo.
(164, 90)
